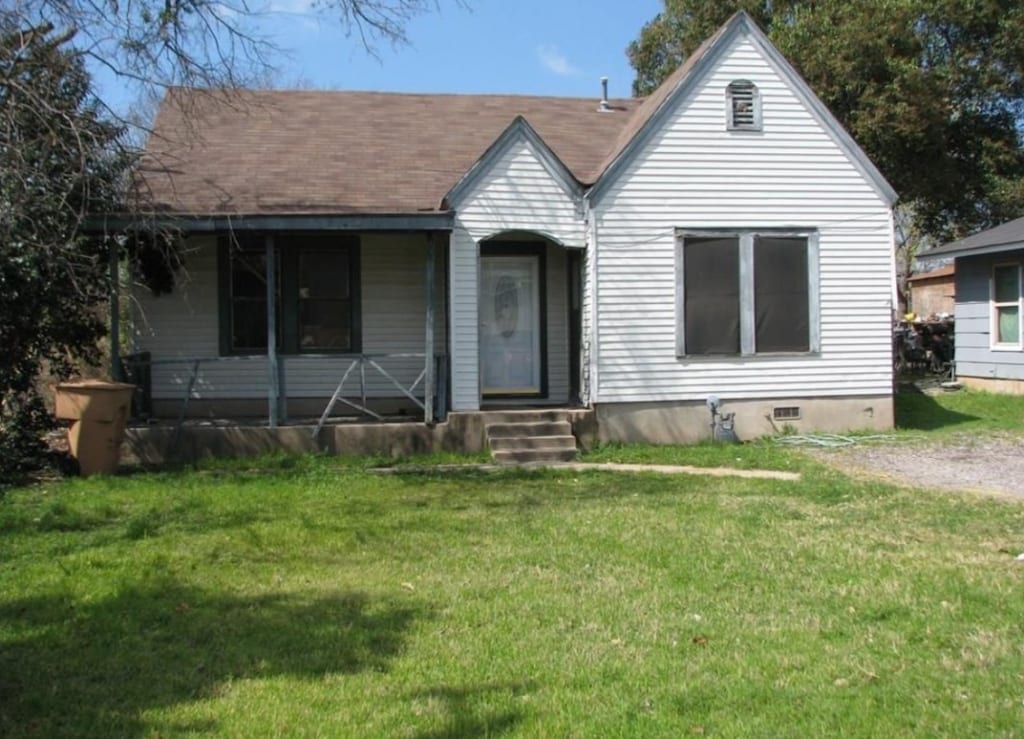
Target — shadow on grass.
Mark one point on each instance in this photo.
(465, 719)
(93, 669)
(917, 411)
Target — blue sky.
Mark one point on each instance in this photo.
(538, 47)
(535, 47)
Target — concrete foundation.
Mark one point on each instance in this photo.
(461, 432)
(689, 422)
(990, 385)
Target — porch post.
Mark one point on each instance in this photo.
(115, 312)
(430, 379)
(274, 391)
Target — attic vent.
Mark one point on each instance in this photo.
(743, 106)
(786, 413)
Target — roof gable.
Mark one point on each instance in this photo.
(519, 131)
(657, 109)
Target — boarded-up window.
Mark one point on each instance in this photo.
(712, 297)
(743, 106)
(781, 308)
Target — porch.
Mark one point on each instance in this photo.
(284, 324)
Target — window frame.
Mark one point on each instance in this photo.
(731, 92)
(288, 248)
(746, 239)
(995, 305)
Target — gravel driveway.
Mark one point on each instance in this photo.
(988, 463)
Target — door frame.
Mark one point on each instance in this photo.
(536, 249)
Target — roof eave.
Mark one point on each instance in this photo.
(441, 220)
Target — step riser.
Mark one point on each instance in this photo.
(553, 443)
(531, 416)
(528, 456)
(519, 430)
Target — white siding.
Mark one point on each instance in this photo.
(694, 174)
(518, 193)
(185, 325)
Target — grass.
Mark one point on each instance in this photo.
(312, 597)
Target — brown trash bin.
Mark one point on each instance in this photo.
(100, 413)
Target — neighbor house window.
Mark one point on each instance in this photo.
(743, 106)
(746, 293)
(317, 306)
(1006, 305)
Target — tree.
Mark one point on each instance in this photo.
(65, 158)
(933, 90)
(59, 162)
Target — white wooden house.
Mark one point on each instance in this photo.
(724, 236)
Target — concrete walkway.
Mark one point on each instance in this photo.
(665, 469)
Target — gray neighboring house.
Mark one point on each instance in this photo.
(989, 302)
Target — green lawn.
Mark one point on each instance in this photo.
(313, 597)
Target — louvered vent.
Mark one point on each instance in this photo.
(744, 105)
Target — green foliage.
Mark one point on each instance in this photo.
(933, 90)
(59, 164)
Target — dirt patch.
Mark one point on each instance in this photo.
(986, 463)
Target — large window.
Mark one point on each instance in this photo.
(317, 295)
(1006, 306)
(746, 293)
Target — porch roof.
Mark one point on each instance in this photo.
(274, 152)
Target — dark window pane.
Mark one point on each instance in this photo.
(324, 274)
(325, 324)
(711, 269)
(248, 299)
(324, 300)
(1007, 288)
(249, 325)
(248, 275)
(781, 312)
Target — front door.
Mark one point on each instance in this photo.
(511, 335)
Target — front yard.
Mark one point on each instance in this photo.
(314, 597)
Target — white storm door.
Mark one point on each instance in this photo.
(510, 325)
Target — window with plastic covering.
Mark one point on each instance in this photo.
(746, 293)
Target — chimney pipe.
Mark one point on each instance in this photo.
(604, 107)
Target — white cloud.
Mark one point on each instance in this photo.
(556, 61)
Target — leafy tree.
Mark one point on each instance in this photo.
(59, 163)
(933, 90)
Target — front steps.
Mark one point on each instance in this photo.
(530, 437)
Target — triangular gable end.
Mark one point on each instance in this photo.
(519, 131)
(689, 76)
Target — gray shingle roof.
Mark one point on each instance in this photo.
(1004, 237)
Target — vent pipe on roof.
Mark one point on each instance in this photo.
(605, 106)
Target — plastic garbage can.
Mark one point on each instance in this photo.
(99, 411)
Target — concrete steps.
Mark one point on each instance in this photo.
(530, 437)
